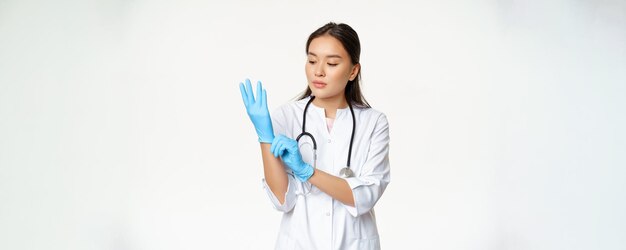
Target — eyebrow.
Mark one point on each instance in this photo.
(328, 56)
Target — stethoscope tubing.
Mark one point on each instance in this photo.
(304, 133)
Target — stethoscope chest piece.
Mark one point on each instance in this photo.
(346, 173)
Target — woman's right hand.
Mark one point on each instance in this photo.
(257, 110)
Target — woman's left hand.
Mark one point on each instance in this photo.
(287, 149)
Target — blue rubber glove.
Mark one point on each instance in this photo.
(287, 149)
(257, 110)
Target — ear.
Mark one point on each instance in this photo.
(355, 71)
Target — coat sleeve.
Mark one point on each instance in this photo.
(278, 123)
(290, 195)
(369, 186)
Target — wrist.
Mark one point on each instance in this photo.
(265, 137)
(305, 173)
(266, 140)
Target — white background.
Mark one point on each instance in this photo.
(122, 126)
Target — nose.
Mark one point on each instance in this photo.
(319, 70)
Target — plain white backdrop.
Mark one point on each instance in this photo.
(122, 126)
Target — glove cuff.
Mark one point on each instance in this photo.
(265, 136)
(266, 139)
(306, 173)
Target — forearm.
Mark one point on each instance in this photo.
(334, 186)
(274, 172)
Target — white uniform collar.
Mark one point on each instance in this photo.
(339, 115)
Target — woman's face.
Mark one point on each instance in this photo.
(329, 68)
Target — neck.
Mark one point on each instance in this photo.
(331, 104)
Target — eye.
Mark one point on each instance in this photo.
(311, 62)
(332, 64)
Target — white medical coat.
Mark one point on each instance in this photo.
(316, 220)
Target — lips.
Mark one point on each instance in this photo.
(319, 84)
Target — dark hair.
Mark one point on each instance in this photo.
(350, 41)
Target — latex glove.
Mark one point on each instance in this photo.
(257, 110)
(288, 150)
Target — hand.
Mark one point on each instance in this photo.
(287, 149)
(257, 110)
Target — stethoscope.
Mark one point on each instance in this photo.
(344, 172)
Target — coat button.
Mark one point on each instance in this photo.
(329, 140)
(327, 213)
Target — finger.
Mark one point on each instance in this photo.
(249, 92)
(259, 92)
(292, 146)
(274, 142)
(282, 152)
(264, 100)
(280, 145)
(244, 95)
(277, 149)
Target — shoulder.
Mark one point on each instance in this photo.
(293, 105)
(372, 115)
(290, 109)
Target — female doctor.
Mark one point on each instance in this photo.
(327, 195)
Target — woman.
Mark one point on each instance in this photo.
(326, 195)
